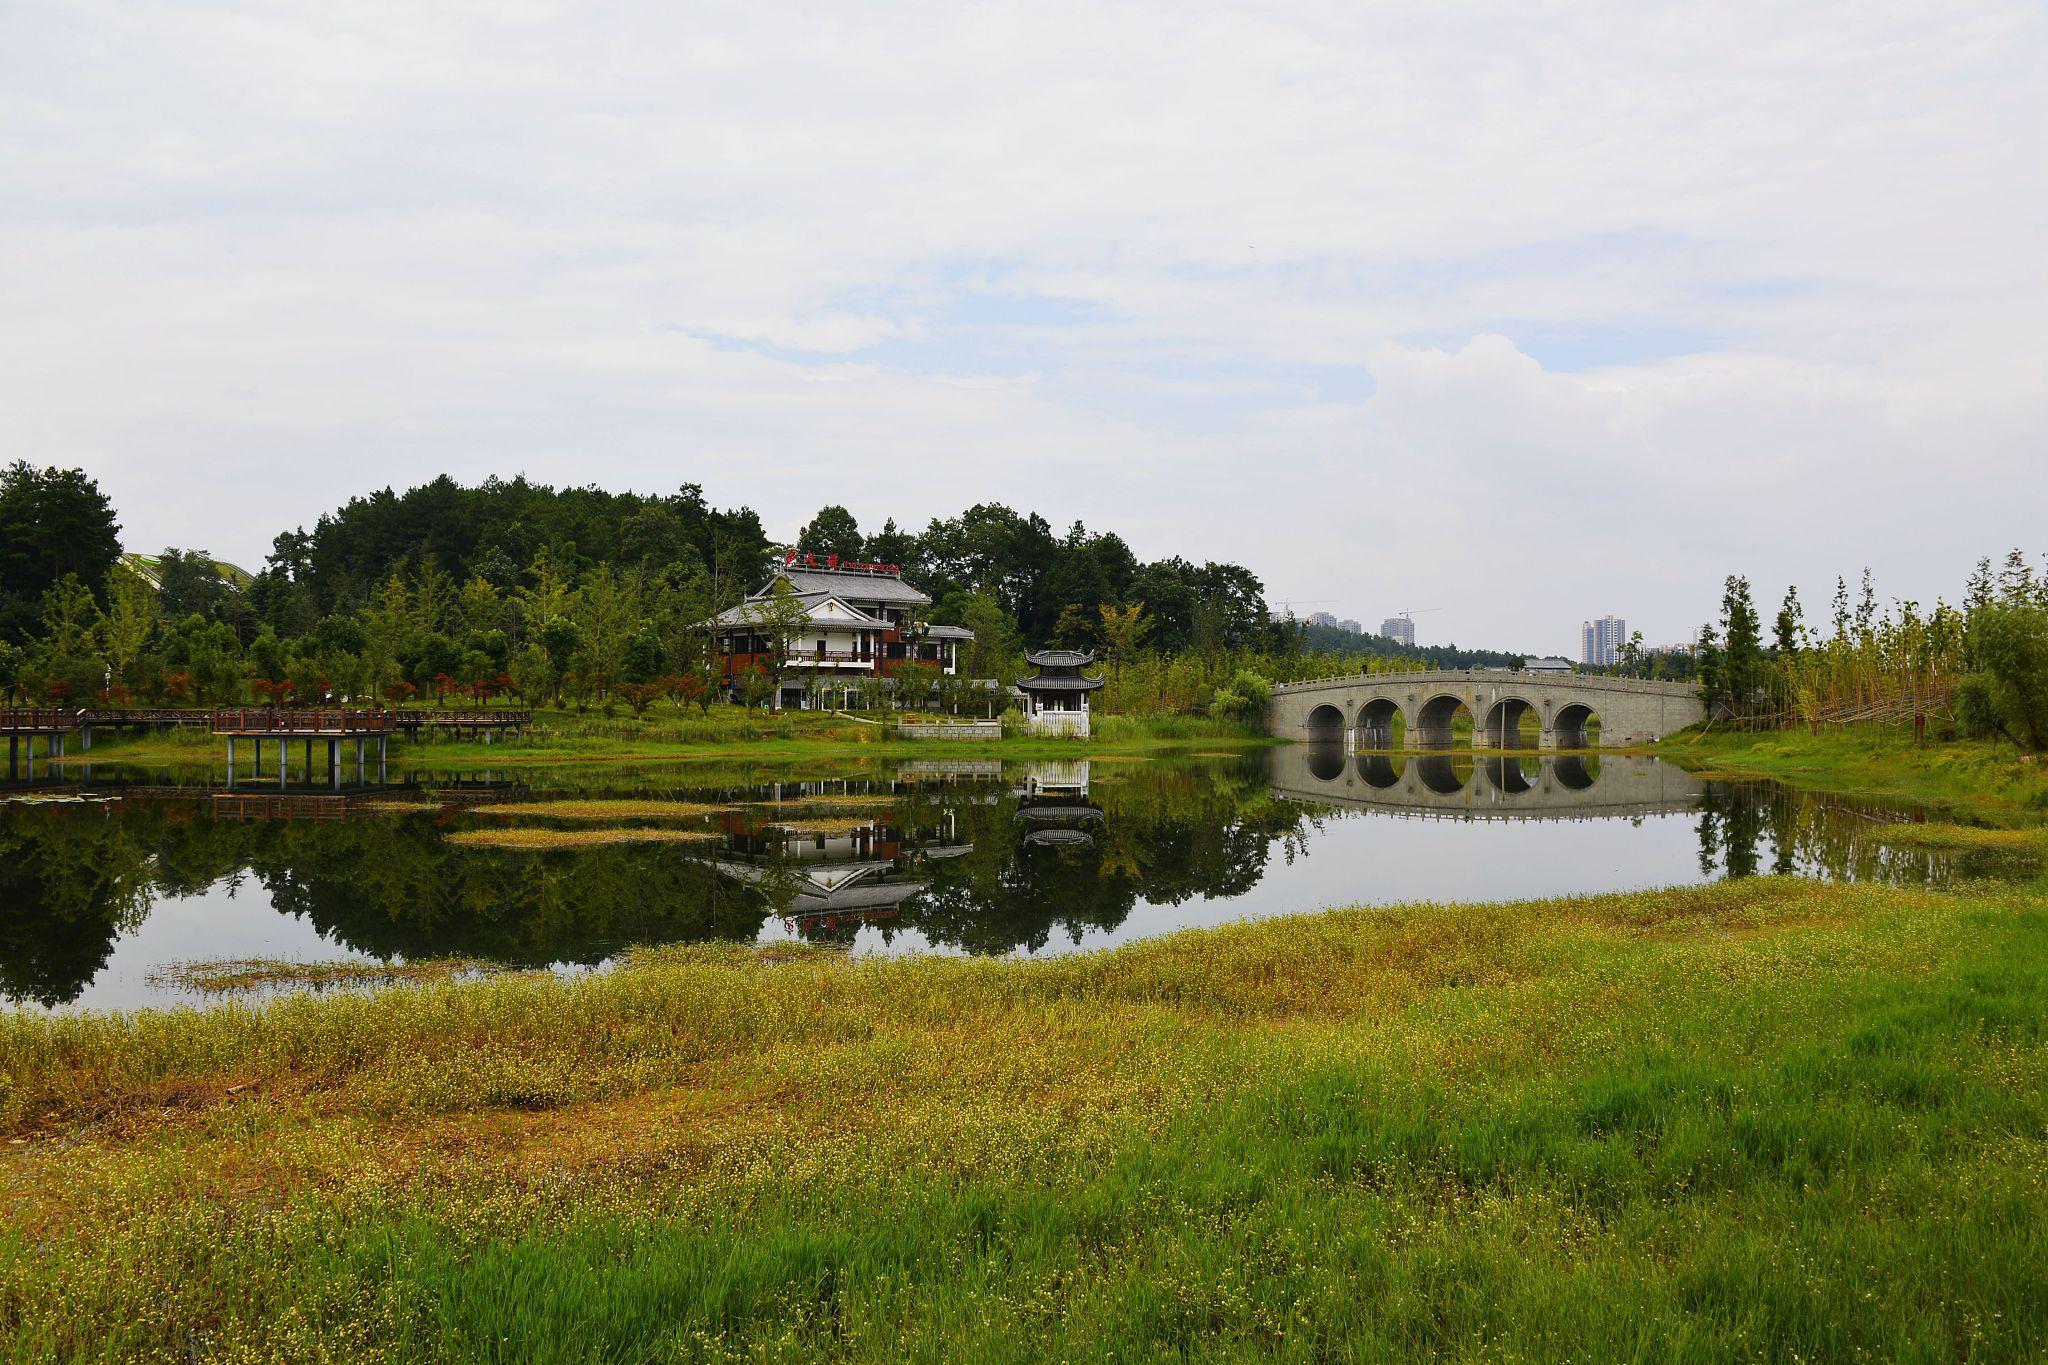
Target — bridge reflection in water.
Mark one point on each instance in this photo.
(1505, 786)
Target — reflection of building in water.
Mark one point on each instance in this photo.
(1463, 784)
(822, 882)
(1053, 805)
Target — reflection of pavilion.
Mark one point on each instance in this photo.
(1053, 805)
(826, 881)
(1499, 786)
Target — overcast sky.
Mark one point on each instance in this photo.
(1523, 311)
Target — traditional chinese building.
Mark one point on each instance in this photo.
(1056, 699)
(839, 621)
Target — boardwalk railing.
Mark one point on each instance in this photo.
(257, 720)
(463, 720)
(39, 720)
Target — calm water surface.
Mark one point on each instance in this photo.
(107, 877)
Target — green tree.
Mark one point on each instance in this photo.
(128, 625)
(832, 532)
(53, 522)
(1789, 630)
(1742, 644)
(996, 645)
(1123, 631)
(779, 618)
(1712, 676)
(2009, 640)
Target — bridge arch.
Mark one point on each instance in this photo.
(1376, 720)
(1510, 776)
(1505, 723)
(1576, 772)
(1326, 760)
(1431, 727)
(1572, 726)
(1326, 725)
(1380, 771)
(1443, 774)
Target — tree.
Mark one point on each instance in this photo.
(129, 623)
(2009, 640)
(778, 619)
(1742, 644)
(1243, 699)
(1123, 631)
(993, 651)
(755, 686)
(192, 582)
(1789, 630)
(832, 532)
(1713, 683)
(53, 522)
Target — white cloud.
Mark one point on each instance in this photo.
(1590, 303)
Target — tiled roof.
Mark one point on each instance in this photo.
(858, 587)
(1059, 658)
(742, 615)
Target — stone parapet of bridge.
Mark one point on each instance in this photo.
(1360, 710)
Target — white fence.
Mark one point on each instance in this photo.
(968, 729)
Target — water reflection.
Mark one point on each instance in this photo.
(102, 880)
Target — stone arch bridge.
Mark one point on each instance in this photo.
(1360, 711)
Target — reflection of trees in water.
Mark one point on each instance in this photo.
(390, 888)
(954, 865)
(1808, 834)
(1167, 834)
(72, 880)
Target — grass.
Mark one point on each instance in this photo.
(663, 736)
(548, 840)
(1765, 1119)
(835, 801)
(607, 809)
(235, 976)
(1989, 778)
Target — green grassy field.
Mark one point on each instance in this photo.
(1760, 1120)
(728, 732)
(1991, 779)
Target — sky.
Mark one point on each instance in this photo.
(1512, 314)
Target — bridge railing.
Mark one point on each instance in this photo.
(258, 720)
(39, 719)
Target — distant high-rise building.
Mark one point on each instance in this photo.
(1351, 627)
(1601, 641)
(1399, 628)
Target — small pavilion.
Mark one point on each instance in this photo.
(1056, 699)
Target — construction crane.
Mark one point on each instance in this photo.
(1412, 612)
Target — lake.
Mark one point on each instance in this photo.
(108, 876)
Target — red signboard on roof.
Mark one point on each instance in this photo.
(796, 560)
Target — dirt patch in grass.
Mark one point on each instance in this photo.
(545, 840)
